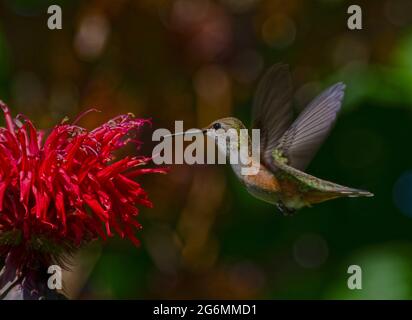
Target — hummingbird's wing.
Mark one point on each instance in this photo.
(272, 112)
(299, 143)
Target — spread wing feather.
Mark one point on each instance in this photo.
(302, 140)
(272, 112)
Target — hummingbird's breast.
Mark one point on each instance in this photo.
(268, 187)
(264, 185)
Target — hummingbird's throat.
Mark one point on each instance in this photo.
(243, 153)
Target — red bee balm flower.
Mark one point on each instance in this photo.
(68, 190)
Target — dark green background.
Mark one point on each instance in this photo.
(200, 60)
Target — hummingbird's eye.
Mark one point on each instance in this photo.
(217, 126)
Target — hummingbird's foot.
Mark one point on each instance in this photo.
(285, 210)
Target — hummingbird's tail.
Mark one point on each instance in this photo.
(319, 190)
(350, 192)
(334, 191)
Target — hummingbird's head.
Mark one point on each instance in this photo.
(225, 124)
(226, 132)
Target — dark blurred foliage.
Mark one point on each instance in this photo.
(200, 60)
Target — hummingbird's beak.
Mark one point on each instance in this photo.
(196, 131)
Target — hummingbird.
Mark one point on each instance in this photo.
(287, 144)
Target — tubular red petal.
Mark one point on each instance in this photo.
(7, 116)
